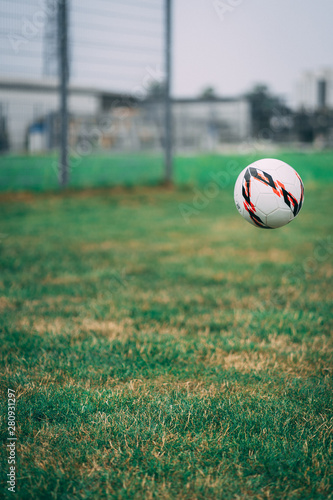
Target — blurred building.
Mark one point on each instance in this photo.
(113, 121)
(27, 109)
(200, 124)
(315, 90)
(208, 124)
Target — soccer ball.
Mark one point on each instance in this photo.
(269, 193)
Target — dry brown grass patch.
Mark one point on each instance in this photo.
(111, 329)
(55, 326)
(61, 280)
(60, 325)
(5, 303)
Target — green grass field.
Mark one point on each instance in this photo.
(158, 357)
(40, 173)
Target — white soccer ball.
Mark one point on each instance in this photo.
(269, 193)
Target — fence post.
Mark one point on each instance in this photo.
(63, 90)
(168, 102)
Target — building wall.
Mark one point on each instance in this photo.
(227, 120)
(22, 108)
(200, 125)
(307, 95)
(197, 124)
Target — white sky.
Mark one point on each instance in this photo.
(230, 48)
(270, 41)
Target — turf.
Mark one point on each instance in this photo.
(161, 347)
(40, 173)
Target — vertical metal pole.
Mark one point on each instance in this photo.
(63, 87)
(168, 103)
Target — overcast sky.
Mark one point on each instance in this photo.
(269, 41)
(228, 44)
